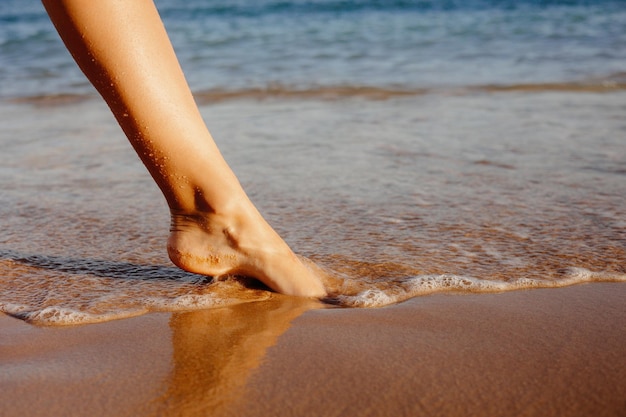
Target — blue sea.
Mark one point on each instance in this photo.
(236, 45)
(405, 147)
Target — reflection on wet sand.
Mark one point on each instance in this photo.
(215, 351)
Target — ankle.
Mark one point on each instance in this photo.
(201, 206)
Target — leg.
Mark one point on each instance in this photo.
(123, 49)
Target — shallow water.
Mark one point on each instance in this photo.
(394, 198)
(404, 147)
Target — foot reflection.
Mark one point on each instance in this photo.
(215, 351)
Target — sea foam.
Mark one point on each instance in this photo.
(55, 306)
(409, 287)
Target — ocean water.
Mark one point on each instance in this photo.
(239, 45)
(404, 147)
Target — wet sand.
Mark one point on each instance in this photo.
(548, 352)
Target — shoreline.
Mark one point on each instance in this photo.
(486, 196)
(549, 352)
(612, 83)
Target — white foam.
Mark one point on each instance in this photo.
(127, 301)
(48, 310)
(410, 287)
(63, 316)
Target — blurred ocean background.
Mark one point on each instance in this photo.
(242, 45)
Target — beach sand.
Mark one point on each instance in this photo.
(548, 352)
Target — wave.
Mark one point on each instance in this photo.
(613, 83)
(60, 291)
(382, 93)
(12, 11)
(410, 287)
(198, 9)
(314, 93)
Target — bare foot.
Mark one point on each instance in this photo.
(243, 244)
